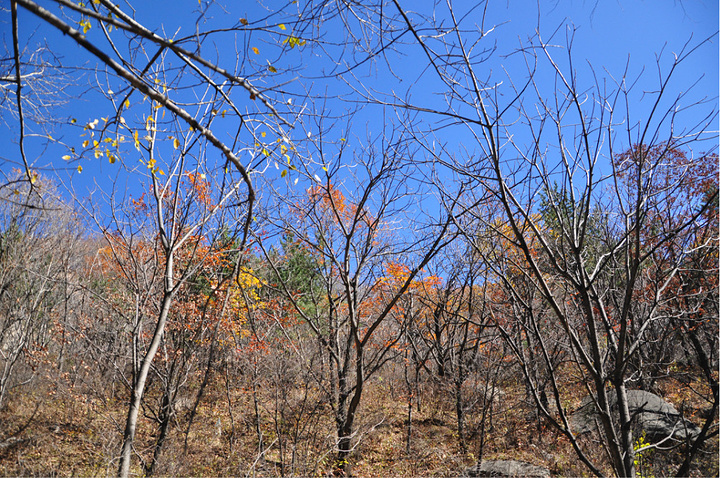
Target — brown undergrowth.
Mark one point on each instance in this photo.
(53, 430)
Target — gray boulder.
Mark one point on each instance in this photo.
(658, 418)
(508, 468)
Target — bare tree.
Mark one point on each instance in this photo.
(40, 258)
(529, 144)
(353, 238)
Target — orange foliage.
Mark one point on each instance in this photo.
(331, 206)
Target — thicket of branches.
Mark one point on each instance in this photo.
(292, 281)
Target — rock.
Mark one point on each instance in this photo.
(658, 418)
(509, 468)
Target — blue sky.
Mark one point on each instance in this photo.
(607, 35)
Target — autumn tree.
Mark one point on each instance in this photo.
(201, 96)
(532, 137)
(677, 284)
(351, 238)
(158, 249)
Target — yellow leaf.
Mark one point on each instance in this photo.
(243, 21)
(95, 144)
(255, 50)
(176, 143)
(79, 169)
(263, 134)
(161, 172)
(293, 41)
(98, 153)
(272, 69)
(85, 143)
(127, 103)
(282, 27)
(266, 152)
(222, 113)
(66, 157)
(111, 158)
(284, 173)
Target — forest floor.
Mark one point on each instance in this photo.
(66, 432)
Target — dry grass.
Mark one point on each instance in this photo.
(55, 431)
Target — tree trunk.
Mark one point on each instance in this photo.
(164, 425)
(139, 385)
(626, 438)
(460, 414)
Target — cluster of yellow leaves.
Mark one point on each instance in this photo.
(292, 42)
(85, 25)
(247, 282)
(99, 148)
